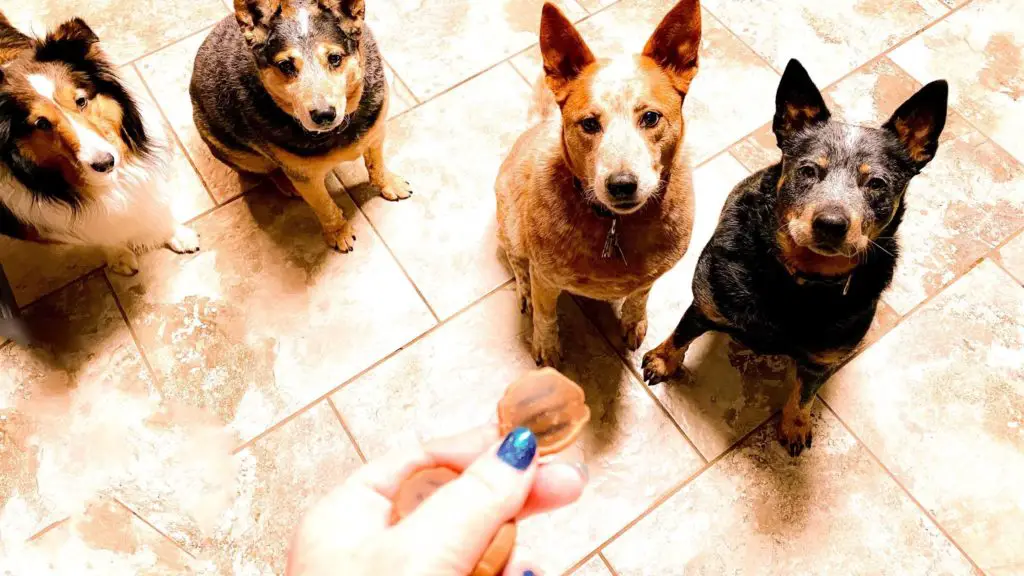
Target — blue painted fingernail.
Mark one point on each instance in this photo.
(518, 448)
(529, 573)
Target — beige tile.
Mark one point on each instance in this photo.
(434, 45)
(633, 451)
(105, 539)
(759, 150)
(444, 235)
(731, 95)
(266, 318)
(979, 51)
(732, 390)
(278, 478)
(828, 41)
(1012, 257)
(595, 5)
(189, 197)
(127, 30)
(594, 567)
(964, 203)
(53, 398)
(401, 98)
(833, 510)
(940, 400)
(168, 73)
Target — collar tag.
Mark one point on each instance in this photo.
(611, 242)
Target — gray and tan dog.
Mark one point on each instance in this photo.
(293, 88)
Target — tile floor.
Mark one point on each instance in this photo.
(177, 422)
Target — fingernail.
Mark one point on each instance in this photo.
(518, 448)
(529, 573)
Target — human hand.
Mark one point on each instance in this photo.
(350, 532)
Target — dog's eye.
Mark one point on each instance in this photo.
(334, 60)
(591, 125)
(287, 67)
(650, 119)
(43, 124)
(809, 171)
(876, 185)
(81, 101)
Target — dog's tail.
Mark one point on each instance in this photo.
(543, 104)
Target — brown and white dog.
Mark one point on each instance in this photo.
(81, 158)
(598, 201)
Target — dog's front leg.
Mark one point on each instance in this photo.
(795, 426)
(634, 318)
(337, 231)
(392, 187)
(546, 349)
(666, 360)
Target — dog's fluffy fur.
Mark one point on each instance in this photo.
(82, 161)
(292, 88)
(612, 157)
(805, 248)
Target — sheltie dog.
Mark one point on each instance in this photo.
(82, 160)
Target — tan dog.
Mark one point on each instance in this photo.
(599, 202)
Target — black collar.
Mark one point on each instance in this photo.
(599, 209)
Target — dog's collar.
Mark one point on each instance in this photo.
(611, 240)
(843, 282)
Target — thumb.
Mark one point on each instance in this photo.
(457, 522)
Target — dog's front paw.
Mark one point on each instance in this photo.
(634, 334)
(123, 262)
(795, 432)
(550, 355)
(341, 239)
(663, 363)
(184, 241)
(395, 188)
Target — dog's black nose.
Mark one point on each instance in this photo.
(830, 226)
(622, 186)
(323, 116)
(104, 164)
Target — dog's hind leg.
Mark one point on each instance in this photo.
(634, 318)
(666, 360)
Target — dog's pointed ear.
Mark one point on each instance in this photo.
(352, 9)
(253, 16)
(675, 44)
(12, 41)
(798, 103)
(563, 49)
(74, 30)
(919, 121)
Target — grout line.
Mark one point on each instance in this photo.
(607, 564)
(369, 368)
(348, 432)
(631, 369)
(158, 383)
(999, 264)
(48, 528)
(175, 136)
(204, 30)
(519, 72)
(900, 484)
(45, 295)
(669, 494)
(380, 237)
(132, 511)
(402, 82)
(740, 39)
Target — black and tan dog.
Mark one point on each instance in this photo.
(805, 248)
(296, 87)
